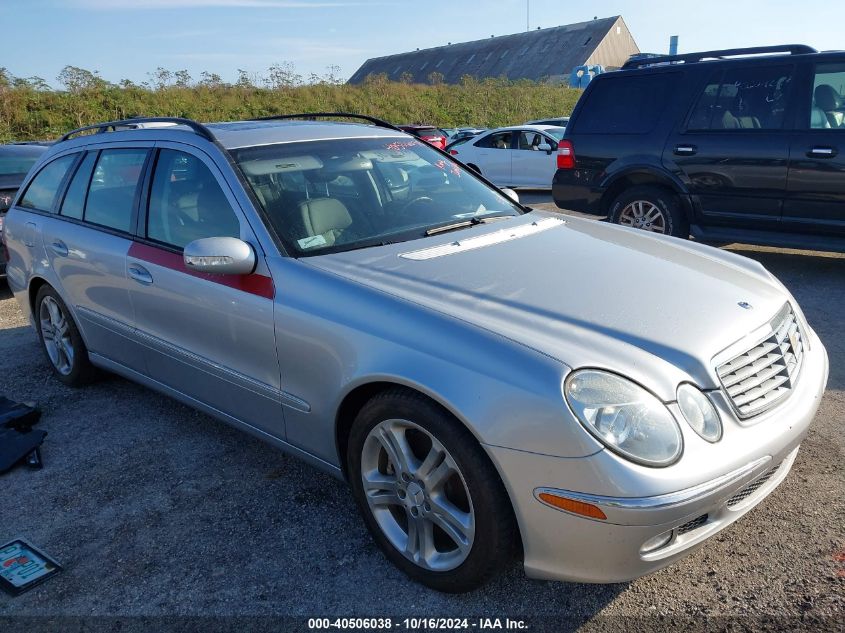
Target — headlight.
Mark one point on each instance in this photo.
(625, 417)
(699, 412)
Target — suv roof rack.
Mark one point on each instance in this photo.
(111, 126)
(687, 58)
(324, 115)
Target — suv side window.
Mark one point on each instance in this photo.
(111, 195)
(500, 140)
(42, 191)
(828, 104)
(626, 105)
(187, 203)
(743, 99)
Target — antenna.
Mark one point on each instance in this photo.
(527, 15)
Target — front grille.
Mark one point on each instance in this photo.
(751, 488)
(692, 525)
(758, 378)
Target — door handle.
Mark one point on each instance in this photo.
(140, 274)
(59, 248)
(822, 152)
(686, 150)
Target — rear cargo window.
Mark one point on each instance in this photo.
(42, 191)
(626, 105)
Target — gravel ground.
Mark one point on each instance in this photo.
(157, 510)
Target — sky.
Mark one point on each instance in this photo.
(127, 39)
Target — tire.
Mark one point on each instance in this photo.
(650, 208)
(447, 483)
(60, 339)
(474, 168)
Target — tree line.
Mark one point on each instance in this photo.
(31, 110)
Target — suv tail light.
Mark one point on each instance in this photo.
(453, 152)
(565, 155)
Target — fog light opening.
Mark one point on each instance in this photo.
(656, 542)
(570, 505)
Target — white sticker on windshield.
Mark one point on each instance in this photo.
(312, 242)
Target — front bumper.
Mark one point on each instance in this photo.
(563, 546)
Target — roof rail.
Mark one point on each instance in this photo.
(108, 126)
(324, 115)
(687, 58)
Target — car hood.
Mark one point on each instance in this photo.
(586, 293)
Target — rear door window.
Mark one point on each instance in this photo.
(626, 105)
(42, 192)
(111, 195)
(753, 98)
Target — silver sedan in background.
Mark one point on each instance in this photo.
(491, 381)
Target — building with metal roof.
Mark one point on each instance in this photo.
(540, 55)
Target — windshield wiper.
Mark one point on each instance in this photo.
(463, 224)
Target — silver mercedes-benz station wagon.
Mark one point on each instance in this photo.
(492, 381)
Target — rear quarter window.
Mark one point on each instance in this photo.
(625, 105)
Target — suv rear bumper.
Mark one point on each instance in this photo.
(568, 193)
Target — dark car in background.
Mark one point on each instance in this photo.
(430, 134)
(559, 121)
(742, 145)
(15, 161)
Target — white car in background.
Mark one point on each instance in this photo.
(519, 156)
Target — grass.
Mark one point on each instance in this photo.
(31, 112)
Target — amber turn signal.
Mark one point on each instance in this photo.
(570, 505)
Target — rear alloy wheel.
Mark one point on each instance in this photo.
(429, 495)
(60, 339)
(650, 209)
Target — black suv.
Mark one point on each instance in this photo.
(740, 145)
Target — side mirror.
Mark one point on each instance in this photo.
(545, 147)
(220, 256)
(510, 193)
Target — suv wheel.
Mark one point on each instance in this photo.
(428, 494)
(60, 339)
(651, 209)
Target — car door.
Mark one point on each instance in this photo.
(815, 200)
(86, 245)
(733, 150)
(531, 166)
(492, 154)
(209, 337)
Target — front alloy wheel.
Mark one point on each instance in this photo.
(417, 495)
(428, 492)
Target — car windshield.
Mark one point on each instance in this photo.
(336, 195)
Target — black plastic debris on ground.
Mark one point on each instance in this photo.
(22, 566)
(19, 442)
